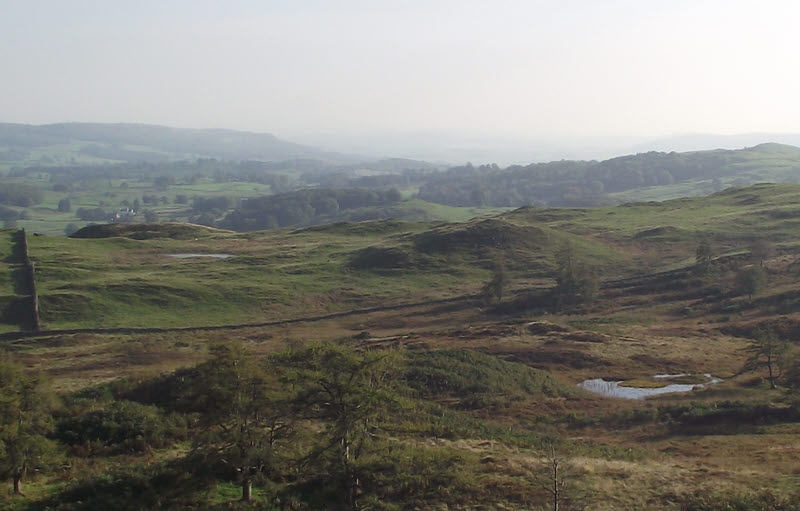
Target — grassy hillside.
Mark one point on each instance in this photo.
(127, 275)
(483, 391)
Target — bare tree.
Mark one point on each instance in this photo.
(554, 478)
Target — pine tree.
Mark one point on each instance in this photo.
(244, 423)
(350, 393)
(25, 422)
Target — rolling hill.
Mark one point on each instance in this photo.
(94, 143)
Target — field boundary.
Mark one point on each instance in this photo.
(10, 336)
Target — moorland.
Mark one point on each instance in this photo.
(411, 363)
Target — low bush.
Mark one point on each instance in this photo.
(122, 427)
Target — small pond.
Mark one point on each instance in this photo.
(214, 256)
(616, 389)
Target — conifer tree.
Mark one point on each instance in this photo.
(25, 422)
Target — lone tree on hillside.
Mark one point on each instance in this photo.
(749, 280)
(703, 256)
(495, 288)
(25, 422)
(768, 352)
(576, 283)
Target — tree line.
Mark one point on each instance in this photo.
(302, 206)
(571, 183)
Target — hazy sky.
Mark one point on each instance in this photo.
(527, 68)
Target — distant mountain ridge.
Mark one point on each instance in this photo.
(146, 142)
(704, 141)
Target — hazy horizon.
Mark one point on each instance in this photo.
(468, 69)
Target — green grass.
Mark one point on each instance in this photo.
(280, 274)
(733, 213)
(272, 275)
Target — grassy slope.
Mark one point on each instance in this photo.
(278, 274)
(774, 163)
(627, 455)
(760, 210)
(125, 282)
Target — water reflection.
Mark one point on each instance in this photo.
(614, 389)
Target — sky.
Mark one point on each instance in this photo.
(560, 68)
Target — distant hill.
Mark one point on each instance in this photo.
(704, 141)
(643, 176)
(88, 142)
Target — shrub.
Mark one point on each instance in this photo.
(123, 426)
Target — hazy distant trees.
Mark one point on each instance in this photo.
(217, 205)
(302, 206)
(566, 182)
(150, 216)
(20, 195)
(70, 229)
(91, 214)
(163, 182)
(64, 205)
(7, 213)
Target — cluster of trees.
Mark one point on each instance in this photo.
(570, 183)
(162, 174)
(302, 206)
(253, 421)
(301, 420)
(20, 195)
(341, 179)
(92, 214)
(217, 205)
(9, 216)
